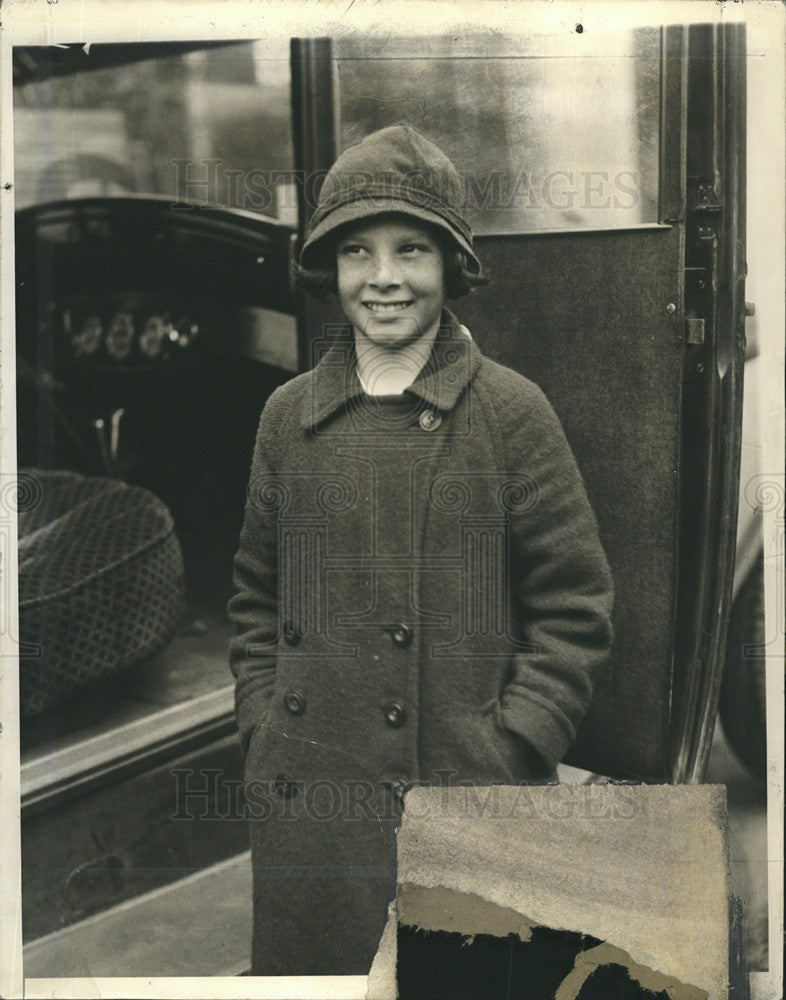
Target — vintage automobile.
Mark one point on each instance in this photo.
(155, 314)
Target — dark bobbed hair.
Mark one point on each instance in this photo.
(320, 280)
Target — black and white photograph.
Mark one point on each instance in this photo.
(392, 499)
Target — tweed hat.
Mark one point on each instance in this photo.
(393, 170)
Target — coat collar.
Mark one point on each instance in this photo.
(451, 366)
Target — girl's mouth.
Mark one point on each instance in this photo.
(387, 308)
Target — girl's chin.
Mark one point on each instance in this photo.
(391, 334)
(391, 343)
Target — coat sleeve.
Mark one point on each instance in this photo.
(253, 608)
(560, 581)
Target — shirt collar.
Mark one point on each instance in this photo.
(451, 366)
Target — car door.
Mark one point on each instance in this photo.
(606, 193)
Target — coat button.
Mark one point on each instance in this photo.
(294, 702)
(429, 420)
(401, 635)
(395, 714)
(292, 634)
(285, 787)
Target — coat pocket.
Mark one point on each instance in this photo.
(509, 748)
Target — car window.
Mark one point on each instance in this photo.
(210, 126)
(547, 132)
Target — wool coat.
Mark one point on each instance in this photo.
(421, 597)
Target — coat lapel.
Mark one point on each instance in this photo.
(452, 365)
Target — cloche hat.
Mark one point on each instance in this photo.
(393, 170)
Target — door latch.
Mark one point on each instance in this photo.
(694, 330)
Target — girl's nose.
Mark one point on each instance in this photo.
(386, 271)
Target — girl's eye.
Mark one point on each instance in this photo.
(350, 248)
(409, 248)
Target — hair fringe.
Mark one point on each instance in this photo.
(321, 281)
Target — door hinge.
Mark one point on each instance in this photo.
(706, 199)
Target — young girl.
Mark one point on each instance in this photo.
(421, 595)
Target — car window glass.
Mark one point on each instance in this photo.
(548, 132)
(208, 126)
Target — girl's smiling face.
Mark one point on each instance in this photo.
(391, 280)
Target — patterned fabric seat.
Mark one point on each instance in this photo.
(101, 583)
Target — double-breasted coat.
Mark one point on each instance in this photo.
(421, 596)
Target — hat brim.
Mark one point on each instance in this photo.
(368, 208)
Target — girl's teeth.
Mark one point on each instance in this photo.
(387, 307)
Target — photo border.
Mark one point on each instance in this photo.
(41, 22)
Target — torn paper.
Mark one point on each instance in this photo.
(643, 869)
